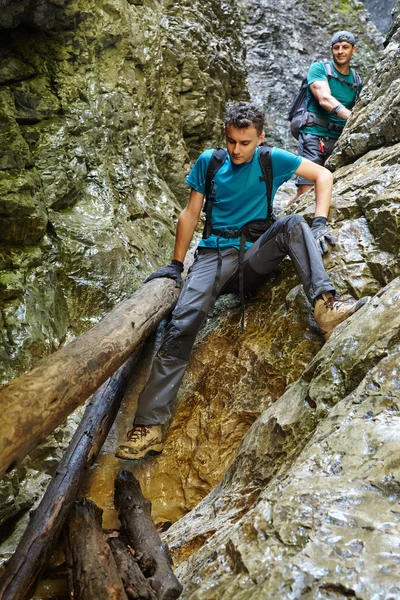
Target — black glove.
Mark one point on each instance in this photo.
(172, 271)
(322, 234)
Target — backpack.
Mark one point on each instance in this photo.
(253, 230)
(298, 114)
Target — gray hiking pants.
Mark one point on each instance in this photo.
(287, 236)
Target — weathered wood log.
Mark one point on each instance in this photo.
(95, 574)
(136, 585)
(33, 405)
(46, 522)
(152, 554)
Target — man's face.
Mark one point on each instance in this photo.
(241, 143)
(342, 53)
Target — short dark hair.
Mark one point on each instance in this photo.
(243, 115)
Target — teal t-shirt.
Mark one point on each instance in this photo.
(240, 194)
(342, 92)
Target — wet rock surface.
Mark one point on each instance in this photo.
(103, 107)
(323, 462)
(307, 506)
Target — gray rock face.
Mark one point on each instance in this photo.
(381, 13)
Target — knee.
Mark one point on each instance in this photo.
(295, 220)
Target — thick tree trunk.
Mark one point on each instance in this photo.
(136, 585)
(38, 540)
(33, 405)
(152, 554)
(94, 572)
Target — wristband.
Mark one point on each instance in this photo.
(177, 263)
(335, 110)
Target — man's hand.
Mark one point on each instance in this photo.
(172, 271)
(322, 234)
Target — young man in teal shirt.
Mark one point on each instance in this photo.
(329, 100)
(240, 197)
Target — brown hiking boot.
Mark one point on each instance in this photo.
(330, 311)
(142, 440)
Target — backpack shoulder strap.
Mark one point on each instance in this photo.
(217, 159)
(328, 68)
(264, 156)
(357, 83)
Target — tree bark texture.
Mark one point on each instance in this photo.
(94, 572)
(136, 585)
(33, 405)
(39, 538)
(152, 554)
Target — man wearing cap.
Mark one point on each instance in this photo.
(333, 88)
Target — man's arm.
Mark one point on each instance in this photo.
(323, 194)
(323, 185)
(187, 223)
(322, 93)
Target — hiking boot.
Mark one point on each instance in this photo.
(142, 440)
(330, 311)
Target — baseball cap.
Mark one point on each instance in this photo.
(343, 36)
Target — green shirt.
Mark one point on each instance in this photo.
(342, 92)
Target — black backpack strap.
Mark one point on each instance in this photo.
(216, 161)
(328, 68)
(264, 156)
(356, 85)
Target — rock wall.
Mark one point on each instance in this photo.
(380, 12)
(103, 107)
(308, 507)
(309, 501)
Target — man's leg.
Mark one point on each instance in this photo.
(169, 366)
(292, 236)
(288, 236)
(314, 148)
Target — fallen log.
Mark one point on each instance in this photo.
(42, 532)
(152, 554)
(33, 405)
(94, 572)
(136, 585)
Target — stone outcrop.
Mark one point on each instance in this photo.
(321, 463)
(103, 107)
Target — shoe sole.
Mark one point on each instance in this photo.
(154, 451)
